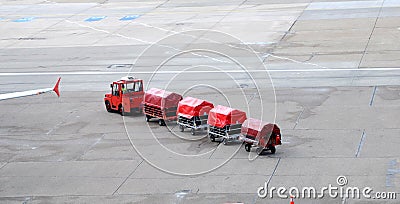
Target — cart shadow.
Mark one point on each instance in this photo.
(265, 153)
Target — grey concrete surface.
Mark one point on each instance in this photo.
(326, 71)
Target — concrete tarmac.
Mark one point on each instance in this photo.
(326, 71)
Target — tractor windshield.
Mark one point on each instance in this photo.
(133, 87)
(129, 87)
(138, 86)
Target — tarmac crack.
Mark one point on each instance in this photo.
(127, 177)
(269, 179)
(212, 153)
(370, 36)
(91, 146)
(369, 39)
(2, 166)
(60, 123)
(298, 118)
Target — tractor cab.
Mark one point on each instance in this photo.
(126, 96)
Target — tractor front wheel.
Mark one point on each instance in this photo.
(108, 106)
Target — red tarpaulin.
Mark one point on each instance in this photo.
(161, 98)
(255, 128)
(260, 130)
(220, 116)
(190, 107)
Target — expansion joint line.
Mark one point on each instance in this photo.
(127, 178)
(370, 35)
(361, 143)
(369, 39)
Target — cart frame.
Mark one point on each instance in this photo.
(229, 133)
(195, 123)
(160, 104)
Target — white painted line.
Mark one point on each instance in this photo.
(195, 72)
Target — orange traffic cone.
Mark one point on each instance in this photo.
(291, 199)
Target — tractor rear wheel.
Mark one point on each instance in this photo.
(121, 110)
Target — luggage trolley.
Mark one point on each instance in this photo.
(225, 123)
(263, 135)
(193, 113)
(160, 104)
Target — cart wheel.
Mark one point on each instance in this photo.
(161, 122)
(192, 131)
(147, 118)
(224, 141)
(247, 147)
(212, 137)
(181, 128)
(273, 149)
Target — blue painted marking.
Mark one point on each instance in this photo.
(391, 173)
(95, 18)
(27, 19)
(129, 18)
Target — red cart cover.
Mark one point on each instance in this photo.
(190, 107)
(161, 98)
(260, 130)
(220, 116)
